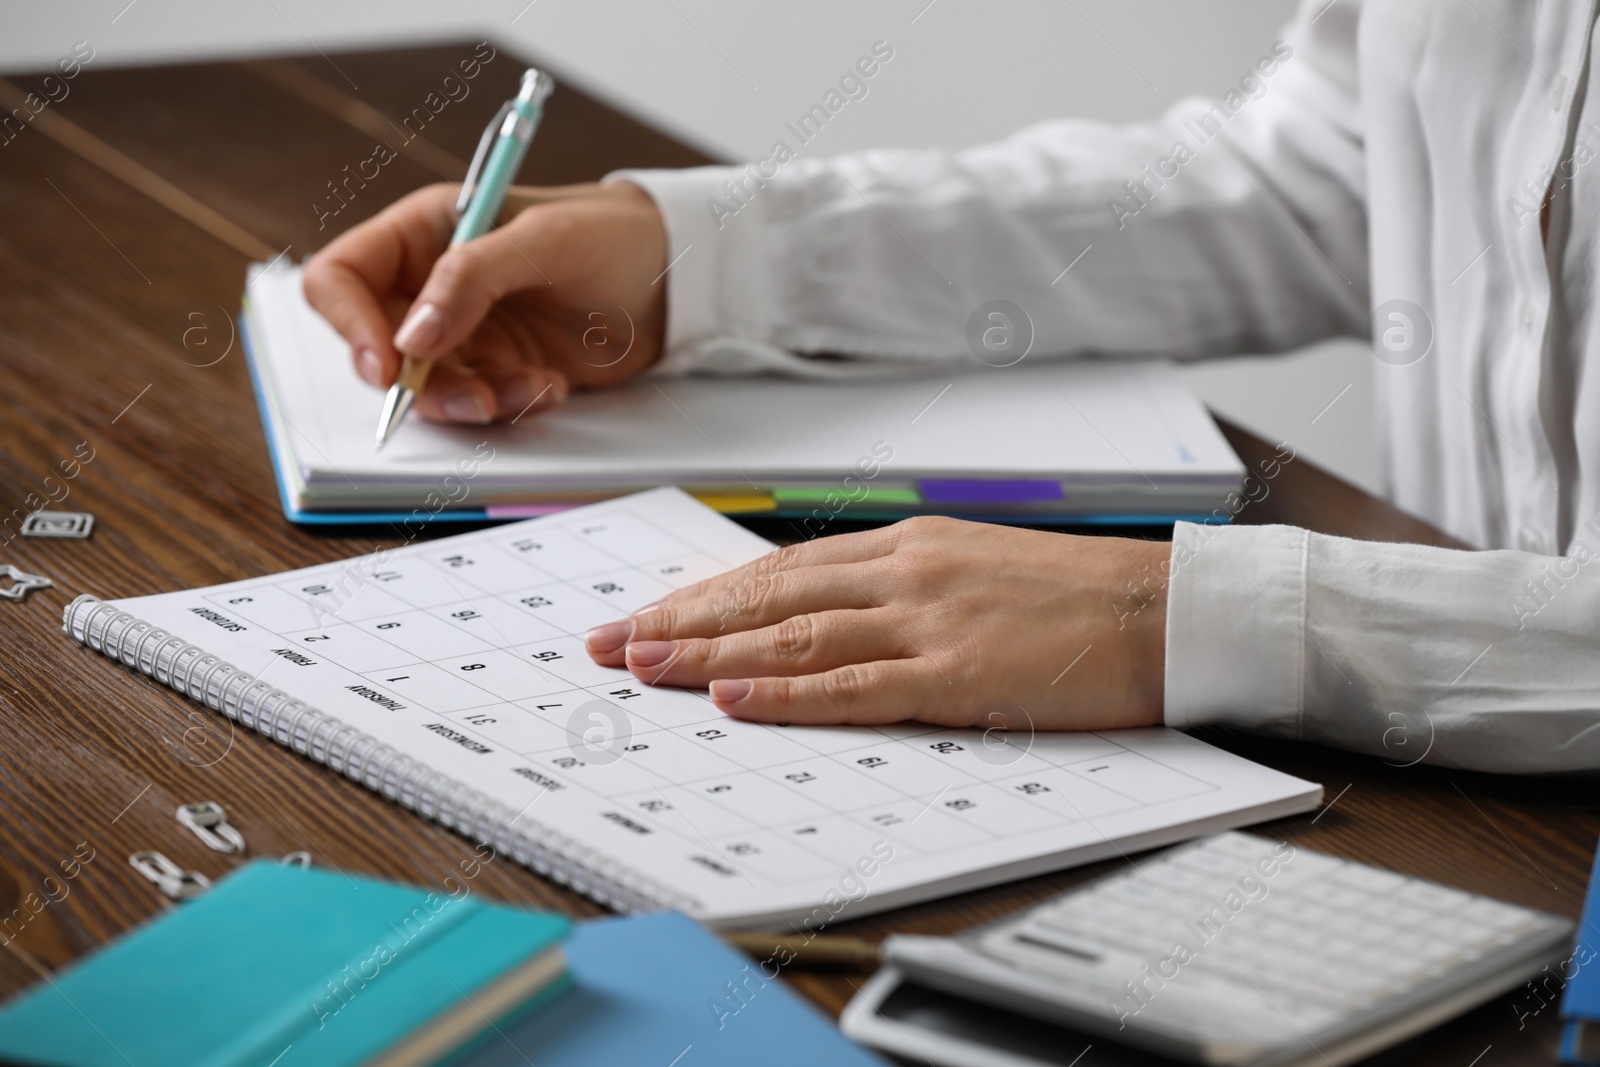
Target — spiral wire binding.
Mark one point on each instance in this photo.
(361, 757)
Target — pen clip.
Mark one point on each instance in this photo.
(469, 185)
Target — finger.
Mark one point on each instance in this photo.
(520, 198)
(457, 393)
(511, 360)
(839, 548)
(801, 644)
(473, 395)
(340, 295)
(743, 583)
(763, 600)
(349, 281)
(520, 391)
(861, 694)
(469, 278)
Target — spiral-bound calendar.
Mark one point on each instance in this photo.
(451, 677)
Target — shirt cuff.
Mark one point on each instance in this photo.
(701, 247)
(1236, 623)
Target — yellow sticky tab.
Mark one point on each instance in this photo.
(737, 502)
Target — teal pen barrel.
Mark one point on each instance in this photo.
(505, 159)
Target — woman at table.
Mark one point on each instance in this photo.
(1415, 158)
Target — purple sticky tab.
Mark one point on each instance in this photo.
(988, 490)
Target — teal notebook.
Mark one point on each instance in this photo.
(660, 991)
(295, 968)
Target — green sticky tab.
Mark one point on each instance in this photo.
(891, 494)
(802, 494)
(817, 494)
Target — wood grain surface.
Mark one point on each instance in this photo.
(117, 290)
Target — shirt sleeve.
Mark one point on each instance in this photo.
(1481, 660)
(1228, 225)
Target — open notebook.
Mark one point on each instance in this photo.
(1040, 441)
(451, 676)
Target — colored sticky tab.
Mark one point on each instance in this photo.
(886, 494)
(804, 494)
(989, 490)
(819, 494)
(736, 502)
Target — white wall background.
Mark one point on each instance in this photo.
(725, 74)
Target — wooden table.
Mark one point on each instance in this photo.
(132, 208)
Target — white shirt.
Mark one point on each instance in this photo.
(1389, 155)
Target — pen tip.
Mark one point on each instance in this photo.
(395, 406)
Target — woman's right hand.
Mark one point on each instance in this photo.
(566, 294)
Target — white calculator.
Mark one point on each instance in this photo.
(1229, 950)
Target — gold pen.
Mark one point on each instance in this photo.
(852, 953)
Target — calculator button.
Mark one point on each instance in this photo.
(1455, 931)
(1433, 899)
(1314, 916)
(1170, 876)
(1204, 862)
(1370, 879)
(1348, 927)
(1435, 951)
(1116, 913)
(1239, 846)
(1503, 937)
(1295, 910)
(1076, 948)
(1303, 867)
(1073, 927)
(1068, 912)
(1133, 890)
(1494, 915)
(1402, 915)
(1331, 894)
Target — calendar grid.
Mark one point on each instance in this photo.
(467, 655)
(475, 589)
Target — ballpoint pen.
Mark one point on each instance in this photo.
(499, 156)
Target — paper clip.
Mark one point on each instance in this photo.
(168, 877)
(301, 859)
(23, 583)
(58, 524)
(210, 824)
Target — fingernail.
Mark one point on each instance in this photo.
(647, 609)
(466, 406)
(650, 653)
(608, 638)
(420, 331)
(730, 690)
(515, 396)
(369, 365)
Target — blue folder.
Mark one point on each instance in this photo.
(1580, 1001)
(659, 990)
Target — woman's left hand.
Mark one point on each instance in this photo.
(950, 622)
